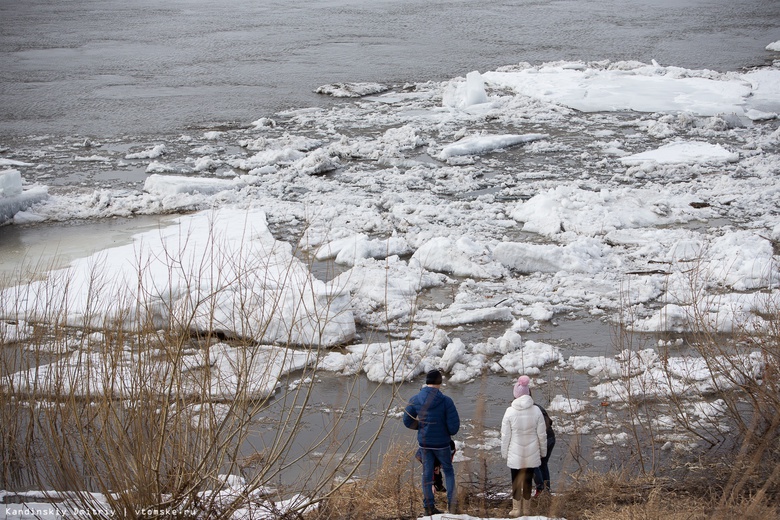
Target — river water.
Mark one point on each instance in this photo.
(107, 68)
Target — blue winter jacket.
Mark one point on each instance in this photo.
(437, 417)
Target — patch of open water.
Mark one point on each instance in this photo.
(28, 251)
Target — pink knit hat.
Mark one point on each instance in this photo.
(521, 387)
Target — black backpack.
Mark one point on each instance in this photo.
(547, 421)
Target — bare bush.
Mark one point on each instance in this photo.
(706, 411)
(155, 400)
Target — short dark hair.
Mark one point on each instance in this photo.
(433, 377)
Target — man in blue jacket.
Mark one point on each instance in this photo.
(436, 419)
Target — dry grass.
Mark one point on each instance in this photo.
(393, 492)
(617, 496)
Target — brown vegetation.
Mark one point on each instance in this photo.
(394, 494)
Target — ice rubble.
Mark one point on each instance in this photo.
(218, 270)
(399, 227)
(14, 198)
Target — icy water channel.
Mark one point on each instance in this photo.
(339, 400)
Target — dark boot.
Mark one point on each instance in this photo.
(430, 511)
(438, 483)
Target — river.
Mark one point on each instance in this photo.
(125, 73)
(106, 67)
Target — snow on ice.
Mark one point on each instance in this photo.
(13, 197)
(531, 192)
(588, 223)
(404, 215)
(280, 301)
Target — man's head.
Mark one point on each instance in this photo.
(433, 378)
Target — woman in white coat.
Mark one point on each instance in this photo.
(523, 444)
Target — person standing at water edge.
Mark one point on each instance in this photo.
(523, 444)
(542, 473)
(436, 420)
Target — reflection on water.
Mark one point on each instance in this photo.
(27, 251)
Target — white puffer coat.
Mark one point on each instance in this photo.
(523, 434)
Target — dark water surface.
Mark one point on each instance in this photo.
(109, 67)
(343, 409)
